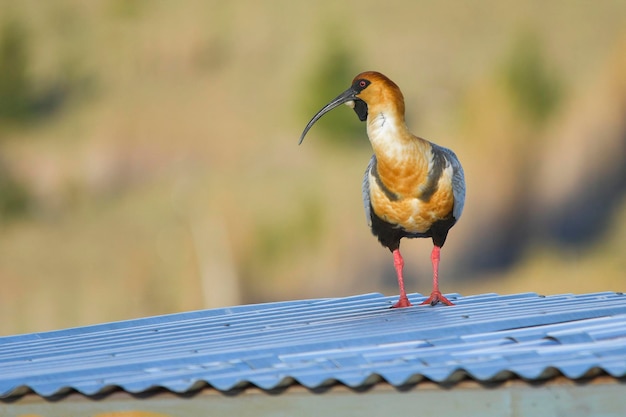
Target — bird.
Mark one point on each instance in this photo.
(412, 188)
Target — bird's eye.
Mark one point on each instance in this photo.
(359, 85)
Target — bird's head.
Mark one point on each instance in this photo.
(368, 90)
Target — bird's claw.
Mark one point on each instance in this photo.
(402, 302)
(435, 298)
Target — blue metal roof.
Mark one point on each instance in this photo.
(356, 341)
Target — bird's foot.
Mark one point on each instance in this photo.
(435, 298)
(402, 302)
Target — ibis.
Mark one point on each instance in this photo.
(412, 188)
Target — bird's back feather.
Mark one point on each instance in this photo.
(458, 179)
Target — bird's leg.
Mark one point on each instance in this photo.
(435, 295)
(398, 262)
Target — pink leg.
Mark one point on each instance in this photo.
(398, 262)
(435, 295)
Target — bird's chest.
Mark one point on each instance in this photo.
(398, 197)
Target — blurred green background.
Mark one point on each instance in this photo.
(149, 160)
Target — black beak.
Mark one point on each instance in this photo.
(346, 96)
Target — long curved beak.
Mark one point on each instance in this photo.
(345, 97)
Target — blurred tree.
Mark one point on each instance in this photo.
(534, 88)
(128, 9)
(14, 82)
(20, 101)
(14, 198)
(329, 78)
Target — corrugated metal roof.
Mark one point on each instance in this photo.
(354, 341)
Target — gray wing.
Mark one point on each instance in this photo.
(365, 189)
(458, 181)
